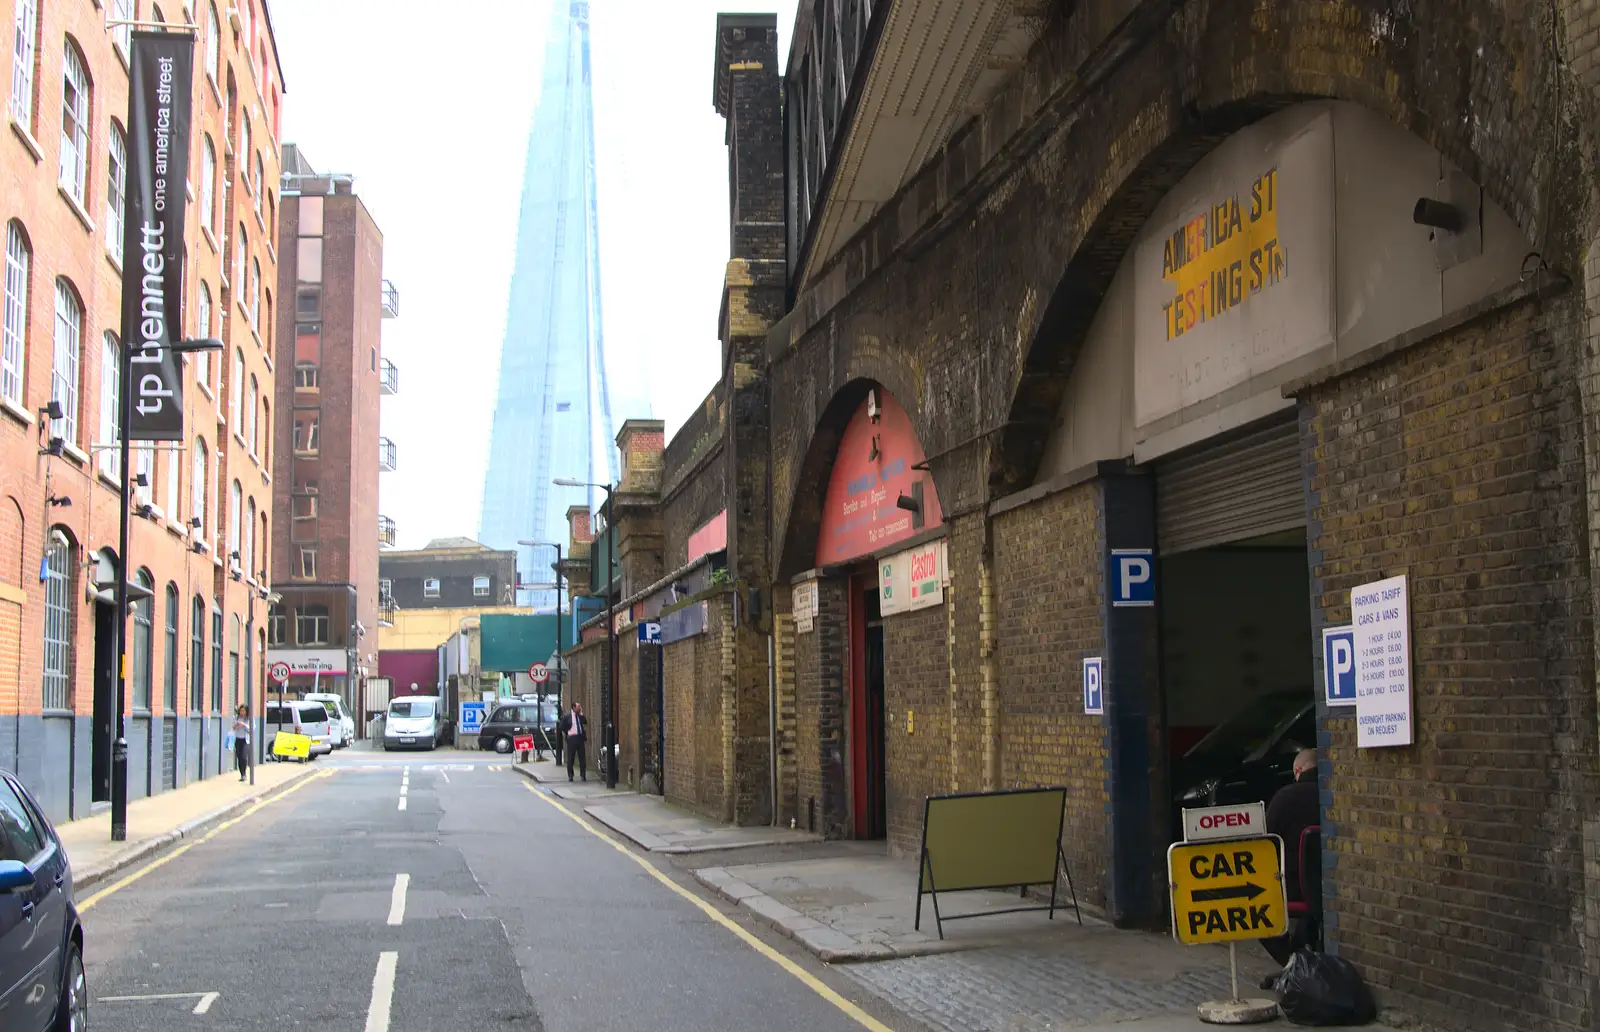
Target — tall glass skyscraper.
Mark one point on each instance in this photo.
(552, 418)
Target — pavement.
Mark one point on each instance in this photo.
(159, 821)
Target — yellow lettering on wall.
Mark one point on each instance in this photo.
(1223, 257)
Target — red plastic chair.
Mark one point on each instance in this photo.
(1310, 903)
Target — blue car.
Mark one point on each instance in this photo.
(42, 988)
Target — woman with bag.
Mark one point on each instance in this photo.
(241, 742)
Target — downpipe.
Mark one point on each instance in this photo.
(772, 720)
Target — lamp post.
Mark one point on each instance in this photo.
(608, 729)
(119, 741)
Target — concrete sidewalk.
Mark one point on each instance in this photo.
(161, 820)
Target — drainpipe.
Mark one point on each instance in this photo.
(772, 719)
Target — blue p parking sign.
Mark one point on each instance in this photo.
(1133, 577)
(1339, 665)
(472, 714)
(1094, 685)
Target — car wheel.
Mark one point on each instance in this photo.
(72, 1012)
(502, 745)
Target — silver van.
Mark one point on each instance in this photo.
(413, 722)
(302, 718)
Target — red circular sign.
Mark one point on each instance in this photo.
(279, 672)
(539, 673)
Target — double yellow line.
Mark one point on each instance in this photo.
(122, 883)
(806, 978)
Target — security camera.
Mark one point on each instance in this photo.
(1438, 215)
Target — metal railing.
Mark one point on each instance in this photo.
(388, 458)
(388, 377)
(386, 610)
(386, 532)
(389, 297)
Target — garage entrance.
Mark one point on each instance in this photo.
(868, 773)
(1235, 616)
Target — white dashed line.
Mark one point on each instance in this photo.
(402, 802)
(382, 992)
(397, 899)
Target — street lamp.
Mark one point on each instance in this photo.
(119, 743)
(608, 731)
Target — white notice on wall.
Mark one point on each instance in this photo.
(805, 606)
(1381, 613)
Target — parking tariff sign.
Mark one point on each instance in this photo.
(1381, 615)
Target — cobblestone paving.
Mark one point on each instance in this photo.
(1032, 988)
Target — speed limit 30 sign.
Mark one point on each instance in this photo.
(279, 672)
(539, 673)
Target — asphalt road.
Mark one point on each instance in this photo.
(484, 905)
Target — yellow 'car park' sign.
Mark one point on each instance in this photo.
(1227, 891)
(288, 745)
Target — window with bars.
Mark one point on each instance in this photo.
(14, 327)
(64, 376)
(216, 655)
(59, 568)
(233, 664)
(74, 165)
(169, 679)
(197, 656)
(142, 651)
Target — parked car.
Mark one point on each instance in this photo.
(302, 718)
(415, 722)
(1249, 756)
(528, 717)
(42, 986)
(344, 725)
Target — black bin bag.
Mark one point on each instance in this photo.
(1316, 989)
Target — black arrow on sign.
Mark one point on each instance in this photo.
(1249, 890)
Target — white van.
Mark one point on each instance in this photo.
(413, 722)
(302, 718)
(344, 725)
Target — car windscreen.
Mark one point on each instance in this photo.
(403, 708)
(551, 712)
(1252, 728)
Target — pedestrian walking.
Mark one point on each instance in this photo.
(574, 729)
(241, 741)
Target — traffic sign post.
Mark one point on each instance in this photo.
(1226, 880)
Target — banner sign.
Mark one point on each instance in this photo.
(913, 579)
(162, 68)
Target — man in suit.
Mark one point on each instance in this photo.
(574, 729)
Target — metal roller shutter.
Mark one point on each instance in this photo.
(1244, 488)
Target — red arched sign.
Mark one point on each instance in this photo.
(872, 471)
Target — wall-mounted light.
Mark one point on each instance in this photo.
(146, 510)
(1438, 214)
(61, 500)
(194, 521)
(908, 502)
(53, 411)
(873, 412)
(57, 447)
(197, 548)
(873, 457)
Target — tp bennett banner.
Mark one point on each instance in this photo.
(159, 102)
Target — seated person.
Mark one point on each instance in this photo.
(1294, 808)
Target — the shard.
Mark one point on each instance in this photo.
(552, 417)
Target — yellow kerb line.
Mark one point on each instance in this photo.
(810, 981)
(123, 883)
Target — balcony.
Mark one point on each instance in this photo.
(386, 610)
(389, 299)
(386, 532)
(387, 458)
(388, 377)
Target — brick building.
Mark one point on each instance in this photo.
(198, 547)
(329, 447)
(1155, 336)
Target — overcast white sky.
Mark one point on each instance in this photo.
(429, 108)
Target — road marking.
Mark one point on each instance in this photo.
(123, 883)
(446, 777)
(404, 789)
(206, 999)
(402, 802)
(397, 899)
(806, 978)
(382, 992)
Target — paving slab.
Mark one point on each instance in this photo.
(660, 827)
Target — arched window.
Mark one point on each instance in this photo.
(60, 569)
(14, 327)
(266, 321)
(110, 458)
(197, 656)
(235, 510)
(266, 434)
(169, 680)
(208, 185)
(255, 294)
(213, 43)
(216, 655)
(26, 45)
(198, 478)
(265, 546)
(253, 416)
(202, 364)
(261, 180)
(236, 395)
(122, 35)
(64, 376)
(312, 625)
(116, 189)
(248, 551)
(244, 151)
(74, 125)
(142, 628)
